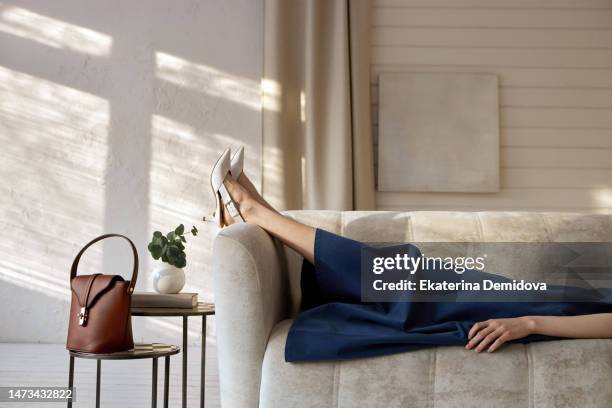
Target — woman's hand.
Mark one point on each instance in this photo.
(491, 334)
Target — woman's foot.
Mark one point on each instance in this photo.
(237, 172)
(244, 181)
(248, 204)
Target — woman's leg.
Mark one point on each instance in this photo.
(294, 234)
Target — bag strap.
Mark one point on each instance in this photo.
(75, 263)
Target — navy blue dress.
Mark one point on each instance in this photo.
(334, 324)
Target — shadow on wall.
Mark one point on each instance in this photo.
(110, 116)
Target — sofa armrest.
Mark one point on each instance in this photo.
(251, 296)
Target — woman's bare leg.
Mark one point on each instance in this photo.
(294, 234)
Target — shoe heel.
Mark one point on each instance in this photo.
(217, 213)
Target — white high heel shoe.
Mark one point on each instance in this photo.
(222, 197)
(237, 163)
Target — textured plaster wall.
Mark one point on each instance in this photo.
(111, 113)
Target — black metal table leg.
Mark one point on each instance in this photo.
(166, 381)
(154, 385)
(201, 309)
(184, 362)
(98, 369)
(203, 362)
(70, 377)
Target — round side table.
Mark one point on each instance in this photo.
(140, 350)
(202, 309)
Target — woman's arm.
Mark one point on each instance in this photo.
(491, 334)
(593, 326)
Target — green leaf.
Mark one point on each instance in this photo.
(155, 250)
(181, 261)
(170, 248)
(173, 251)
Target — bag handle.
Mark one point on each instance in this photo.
(75, 263)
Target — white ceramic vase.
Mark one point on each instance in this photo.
(168, 278)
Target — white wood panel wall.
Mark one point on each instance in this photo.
(554, 61)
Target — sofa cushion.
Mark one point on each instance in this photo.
(565, 373)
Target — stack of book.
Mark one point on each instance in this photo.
(153, 299)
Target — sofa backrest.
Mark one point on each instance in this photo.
(450, 226)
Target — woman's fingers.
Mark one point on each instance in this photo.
(489, 339)
(478, 327)
(498, 342)
(481, 332)
(476, 336)
(475, 328)
(491, 334)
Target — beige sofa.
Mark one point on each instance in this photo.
(257, 294)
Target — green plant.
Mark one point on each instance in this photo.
(170, 248)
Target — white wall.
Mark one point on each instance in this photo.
(554, 61)
(111, 113)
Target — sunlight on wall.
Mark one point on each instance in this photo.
(272, 164)
(271, 94)
(602, 197)
(54, 33)
(180, 192)
(208, 80)
(303, 106)
(177, 179)
(54, 146)
(272, 157)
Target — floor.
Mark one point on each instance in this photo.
(124, 383)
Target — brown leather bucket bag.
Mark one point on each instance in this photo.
(100, 316)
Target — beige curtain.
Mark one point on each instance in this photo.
(317, 143)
